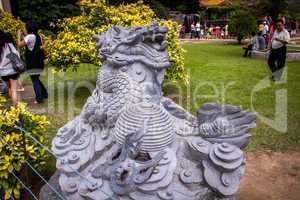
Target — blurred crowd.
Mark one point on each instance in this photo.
(266, 27)
(204, 31)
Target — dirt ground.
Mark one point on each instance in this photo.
(274, 176)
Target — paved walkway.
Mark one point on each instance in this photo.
(216, 41)
(221, 41)
(27, 95)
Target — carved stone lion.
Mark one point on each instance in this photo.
(130, 142)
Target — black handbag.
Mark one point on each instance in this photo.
(17, 63)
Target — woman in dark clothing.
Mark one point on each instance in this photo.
(34, 56)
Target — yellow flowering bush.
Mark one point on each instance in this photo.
(12, 155)
(9, 24)
(74, 44)
(175, 51)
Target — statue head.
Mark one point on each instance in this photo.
(121, 46)
(139, 52)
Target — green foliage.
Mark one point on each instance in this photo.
(160, 10)
(217, 12)
(273, 7)
(241, 24)
(74, 45)
(9, 24)
(12, 155)
(294, 8)
(45, 11)
(175, 51)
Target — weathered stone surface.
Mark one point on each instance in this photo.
(46, 192)
(130, 142)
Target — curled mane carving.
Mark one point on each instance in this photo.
(147, 45)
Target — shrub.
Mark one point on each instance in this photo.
(241, 24)
(9, 24)
(12, 147)
(74, 44)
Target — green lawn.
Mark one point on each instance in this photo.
(212, 68)
(222, 66)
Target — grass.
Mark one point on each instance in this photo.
(217, 67)
(218, 73)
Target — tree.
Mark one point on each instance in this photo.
(241, 24)
(294, 8)
(44, 11)
(273, 7)
(160, 10)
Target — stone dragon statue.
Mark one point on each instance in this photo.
(131, 143)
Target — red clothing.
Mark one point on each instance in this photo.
(218, 31)
(272, 28)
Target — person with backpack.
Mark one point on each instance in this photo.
(8, 72)
(34, 56)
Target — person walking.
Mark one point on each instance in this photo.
(11, 40)
(293, 28)
(218, 32)
(226, 31)
(193, 30)
(210, 31)
(34, 56)
(265, 28)
(277, 55)
(202, 34)
(198, 30)
(182, 31)
(7, 71)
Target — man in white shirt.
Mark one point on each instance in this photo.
(277, 55)
(198, 30)
(193, 31)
